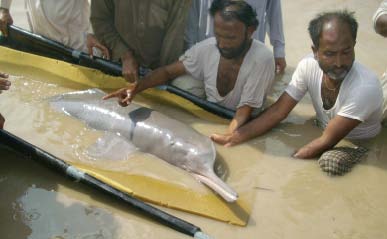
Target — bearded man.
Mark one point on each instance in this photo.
(346, 96)
(237, 70)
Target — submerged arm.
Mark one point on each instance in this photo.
(336, 130)
(242, 115)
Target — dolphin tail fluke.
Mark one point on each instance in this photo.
(216, 184)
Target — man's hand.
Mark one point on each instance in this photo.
(129, 67)
(227, 140)
(2, 120)
(92, 42)
(4, 83)
(280, 65)
(124, 95)
(5, 20)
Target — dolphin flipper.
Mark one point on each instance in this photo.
(111, 146)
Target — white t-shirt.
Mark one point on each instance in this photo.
(64, 21)
(255, 77)
(360, 96)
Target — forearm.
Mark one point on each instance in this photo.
(160, 76)
(336, 130)
(314, 148)
(242, 115)
(259, 126)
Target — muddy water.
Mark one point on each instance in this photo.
(293, 198)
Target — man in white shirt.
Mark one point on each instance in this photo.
(380, 25)
(346, 95)
(269, 16)
(64, 21)
(4, 85)
(237, 70)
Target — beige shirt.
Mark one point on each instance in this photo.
(64, 21)
(152, 29)
(255, 78)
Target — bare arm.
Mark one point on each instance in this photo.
(242, 115)
(2, 120)
(336, 130)
(266, 121)
(159, 76)
(5, 20)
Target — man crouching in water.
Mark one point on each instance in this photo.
(346, 96)
(237, 70)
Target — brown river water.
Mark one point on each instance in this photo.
(291, 198)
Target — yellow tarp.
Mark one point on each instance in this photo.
(146, 188)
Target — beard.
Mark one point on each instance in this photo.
(336, 73)
(232, 53)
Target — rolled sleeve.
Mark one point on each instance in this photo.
(191, 62)
(255, 90)
(298, 86)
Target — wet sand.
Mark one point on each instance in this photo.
(293, 198)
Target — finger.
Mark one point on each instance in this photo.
(4, 75)
(111, 95)
(90, 51)
(122, 103)
(219, 139)
(105, 51)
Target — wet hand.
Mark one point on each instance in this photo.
(223, 139)
(303, 153)
(5, 20)
(280, 65)
(4, 83)
(129, 67)
(92, 42)
(124, 95)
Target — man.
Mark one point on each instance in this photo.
(142, 33)
(4, 85)
(380, 25)
(64, 21)
(346, 96)
(237, 71)
(269, 15)
(380, 19)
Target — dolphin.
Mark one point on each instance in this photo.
(149, 131)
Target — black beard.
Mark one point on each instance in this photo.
(235, 53)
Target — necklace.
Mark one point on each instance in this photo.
(326, 85)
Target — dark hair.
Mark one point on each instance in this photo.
(316, 25)
(239, 10)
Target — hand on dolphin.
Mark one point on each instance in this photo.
(124, 95)
(227, 140)
(4, 83)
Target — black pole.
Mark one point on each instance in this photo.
(42, 156)
(24, 40)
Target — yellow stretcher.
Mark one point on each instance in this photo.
(142, 187)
